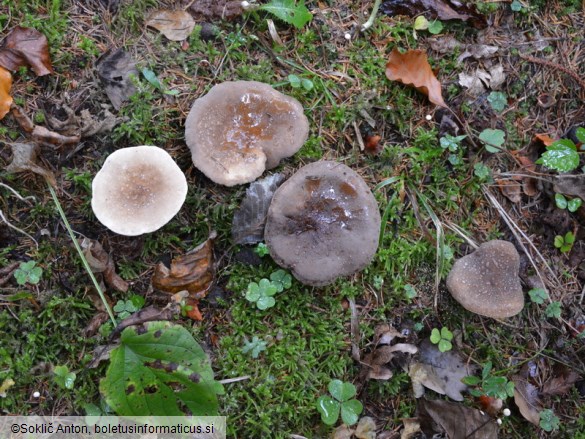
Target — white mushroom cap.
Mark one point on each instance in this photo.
(241, 128)
(138, 190)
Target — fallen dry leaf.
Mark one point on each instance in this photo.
(411, 428)
(561, 383)
(544, 138)
(433, 9)
(41, 134)
(102, 263)
(25, 46)
(175, 25)
(192, 271)
(116, 69)
(455, 420)
(413, 68)
(480, 80)
(5, 98)
(24, 158)
(510, 189)
(527, 400)
(366, 428)
(250, 218)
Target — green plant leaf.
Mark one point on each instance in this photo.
(574, 204)
(561, 156)
(471, 380)
(516, 6)
(487, 368)
(150, 76)
(569, 238)
(446, 334)
(435, 27)
(341, 391)
(350, 411)
(421, 23)
(294, 81)
(410, 291)
(254, 347)
(298, 15)
(267, 288)
(435, 336)
(498, 101)
(261, 249)
(553, 310)
(281, 280)
(492, 139)
(548, 420)
(159, 369)
(580, 134)
(253, 292)
(559, 241)
(481, 171)
(265, 302)
(120, 306)
(63, 377)
(445, 345)
(560, 201)
(307, 84)
(329, 409)
(538, 295)
(34, 276)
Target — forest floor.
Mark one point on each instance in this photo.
(518, 69)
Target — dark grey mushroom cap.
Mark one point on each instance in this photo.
(323, 223)
(241, 128)
(486, 281)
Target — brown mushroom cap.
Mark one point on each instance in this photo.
(323, 223)
(486, 281)
(138, 190)
(241, 128)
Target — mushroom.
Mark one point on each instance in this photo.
(138, 190)
(323, 223)
(486, 281)
(241, 128)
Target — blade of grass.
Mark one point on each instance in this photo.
(81, 255)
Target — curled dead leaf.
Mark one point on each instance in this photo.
(24, 158)
(192, 271)
(5, 98)
(102, 263)
(510, 189)
(28, 47)
(413, 68)
(175, 25)
(527, 400)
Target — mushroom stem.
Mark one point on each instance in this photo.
(249, 6)
(81, 255)
(368, 24)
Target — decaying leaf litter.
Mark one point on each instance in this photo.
(535, 63)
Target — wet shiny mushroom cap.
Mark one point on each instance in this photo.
(239, 129)
(486, 282)
(138, 190)
(323, 223)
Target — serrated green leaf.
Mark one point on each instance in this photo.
(350, 411)
(329, 409)
(492, 139)
(560, 156)
(574, 204)
(298, 15)
(159, 369)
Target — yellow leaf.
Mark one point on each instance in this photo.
(5, 98)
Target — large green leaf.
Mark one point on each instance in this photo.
(159, 369)
(287, 11)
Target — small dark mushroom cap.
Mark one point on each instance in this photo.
(323, 223)
(486, 281)
(241, 128)
(138, 190)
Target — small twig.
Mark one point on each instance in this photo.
(17, 195)
(355, 331)
(13, 227)
(81, 255)
(551, 64)
(235, 380)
